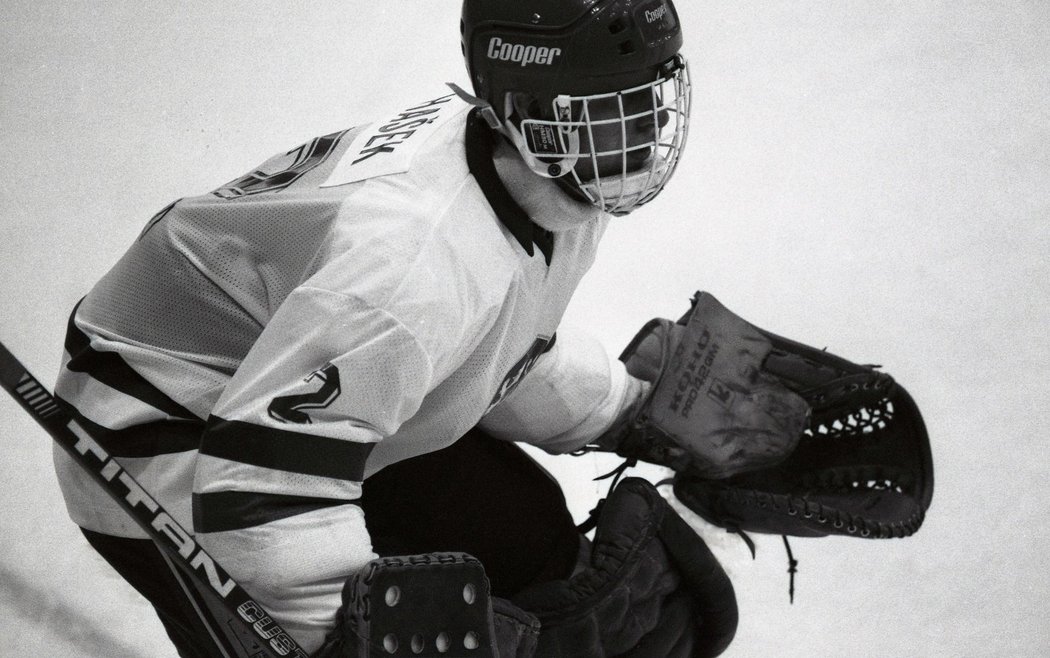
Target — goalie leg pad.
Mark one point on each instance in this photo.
(650, 587)
(431, 605)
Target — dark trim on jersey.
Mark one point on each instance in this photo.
(481, 144)
(157, 217)
(550, 343)
(285, 450)
(112, 370)
(162, 437)
(307, 157)
(235, 510)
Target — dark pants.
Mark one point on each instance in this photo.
(480, 496)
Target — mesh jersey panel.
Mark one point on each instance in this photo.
(207, 277)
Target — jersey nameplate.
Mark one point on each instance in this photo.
(388, 146)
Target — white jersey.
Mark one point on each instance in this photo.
(365, 298)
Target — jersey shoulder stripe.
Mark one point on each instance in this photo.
(111, 369)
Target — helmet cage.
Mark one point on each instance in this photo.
(552, 147)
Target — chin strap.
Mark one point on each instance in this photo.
(561, 163)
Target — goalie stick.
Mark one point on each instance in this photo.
(247, 630)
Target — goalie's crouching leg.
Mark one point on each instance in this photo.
(647, 587)
(480, 496)
(143, 566)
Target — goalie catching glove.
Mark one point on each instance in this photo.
(766, 434)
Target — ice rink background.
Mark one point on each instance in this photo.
(873, 177)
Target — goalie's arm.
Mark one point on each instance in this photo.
(572, 396)
(278, 480)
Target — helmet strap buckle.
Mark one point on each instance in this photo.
(486, 110)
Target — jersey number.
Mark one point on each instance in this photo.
(300, 160)
(293, 408)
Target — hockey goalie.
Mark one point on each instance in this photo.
(324, 366)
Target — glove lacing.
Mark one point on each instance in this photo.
(792, 562)
(591, 522)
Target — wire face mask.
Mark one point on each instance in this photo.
(592, 93)
(618, 149)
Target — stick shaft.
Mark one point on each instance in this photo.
(250, 630)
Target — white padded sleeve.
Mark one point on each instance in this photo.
(573, 394)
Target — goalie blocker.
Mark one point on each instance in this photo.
(648, 586)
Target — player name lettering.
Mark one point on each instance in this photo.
(401, 128)
(520, 53)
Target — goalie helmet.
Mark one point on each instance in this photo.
(593, 93)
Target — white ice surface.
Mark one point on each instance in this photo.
(869, 176)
